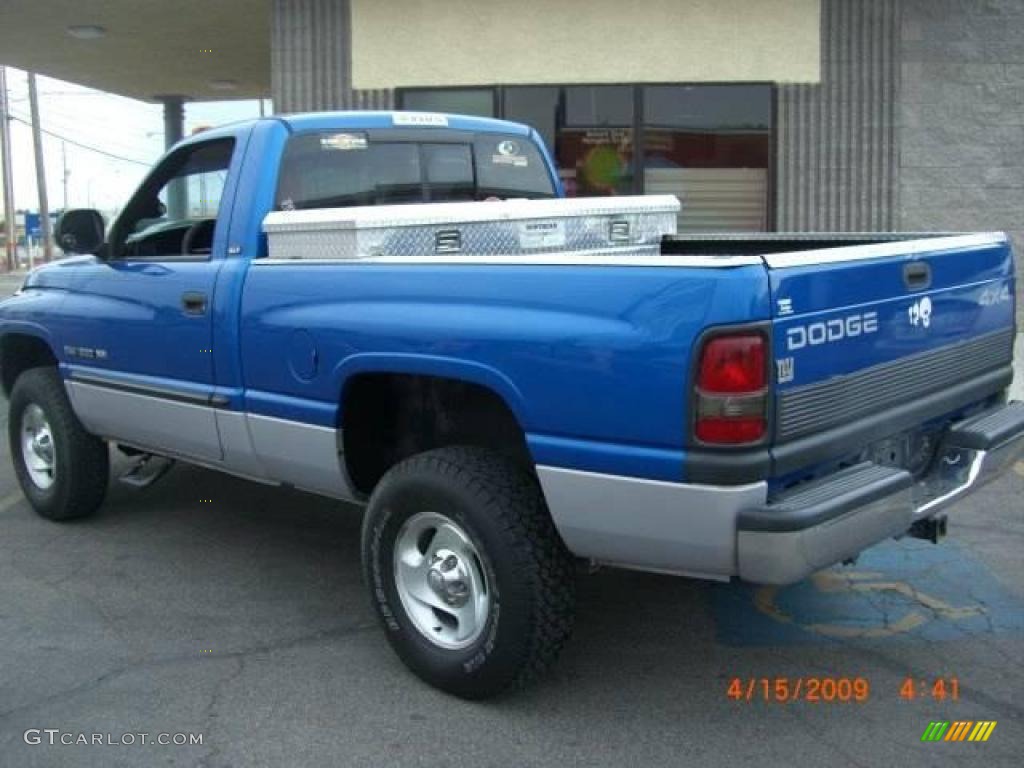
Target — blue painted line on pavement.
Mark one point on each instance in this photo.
(906, 589)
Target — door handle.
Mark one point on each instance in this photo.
(917, 275)
(193, 303)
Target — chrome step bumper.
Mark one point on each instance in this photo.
(835, 518)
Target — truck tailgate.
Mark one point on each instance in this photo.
(873, 339)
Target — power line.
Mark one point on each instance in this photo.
(69, 124)
(81, 145)
(58, 132)
(89, 127)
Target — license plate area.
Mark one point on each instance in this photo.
(912, 451)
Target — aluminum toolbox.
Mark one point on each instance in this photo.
(500, 228)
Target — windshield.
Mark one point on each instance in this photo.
(339, 169)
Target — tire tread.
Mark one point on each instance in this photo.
(90, 474)
(512, 496)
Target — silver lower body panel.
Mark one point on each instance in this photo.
(256, 447)
(184, 428)
(648, 524)
(719, 532)
(304, 455)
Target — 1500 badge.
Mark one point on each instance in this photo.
(87, 352)
(829, 331)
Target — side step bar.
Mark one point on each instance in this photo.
(973, 452)
(146, 471)
(989, 429)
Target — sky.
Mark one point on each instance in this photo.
(129, 132)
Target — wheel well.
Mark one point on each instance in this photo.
(18, 353)
(388, 417)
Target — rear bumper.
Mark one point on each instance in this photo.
(720, 532)
(835, 518)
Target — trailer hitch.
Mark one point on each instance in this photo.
(930, 529)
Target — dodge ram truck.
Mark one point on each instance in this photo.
(404, 311)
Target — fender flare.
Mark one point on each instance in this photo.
(438, 366)
(28, 328)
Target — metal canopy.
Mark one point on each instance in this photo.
(197, 49)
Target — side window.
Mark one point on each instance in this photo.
(174, 212)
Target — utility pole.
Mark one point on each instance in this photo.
(64, 161)
(37, 143)
(8, 173)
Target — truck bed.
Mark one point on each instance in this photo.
(869, 334)
(761, 243)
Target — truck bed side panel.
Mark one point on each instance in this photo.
(593, 360)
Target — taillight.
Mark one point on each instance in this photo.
(731, 390)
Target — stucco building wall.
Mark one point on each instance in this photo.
(961, 116)
(403, 43)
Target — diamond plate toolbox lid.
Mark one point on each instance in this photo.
(510, 228)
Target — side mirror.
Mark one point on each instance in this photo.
(79, 230)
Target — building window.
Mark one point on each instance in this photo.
(536, 105)
(595, 146)
(711, 145)
(457, 101)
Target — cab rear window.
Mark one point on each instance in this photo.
(339, 169)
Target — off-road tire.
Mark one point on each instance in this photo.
(82, 462)
(530, 573)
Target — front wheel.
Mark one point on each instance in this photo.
(62, 469)
(467, 573)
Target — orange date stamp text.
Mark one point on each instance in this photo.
(784, 690)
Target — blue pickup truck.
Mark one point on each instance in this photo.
(403, 310)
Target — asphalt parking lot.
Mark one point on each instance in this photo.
(209, 605)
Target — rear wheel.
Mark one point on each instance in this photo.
(62, 469)
(467, 573)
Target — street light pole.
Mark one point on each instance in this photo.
(8, 183)
(37, 144)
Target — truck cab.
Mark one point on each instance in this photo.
(176, 254)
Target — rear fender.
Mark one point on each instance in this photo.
(432, 365)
